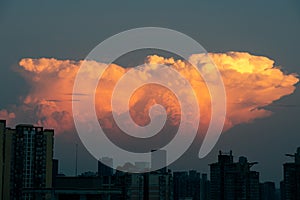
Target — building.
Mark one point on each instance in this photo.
(142, 166)
(267, 191)
(158, 186)
(187, 185)
(204, 187)
(26, 162)
(159, 160)
(180, 184)
(290, 187)
(105, 165)
(54, 171)
(135, 186)
(145, 186)
(86, 187)
(231, 180)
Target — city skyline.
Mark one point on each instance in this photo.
(29, 149)
(59, 35)
(105, 165)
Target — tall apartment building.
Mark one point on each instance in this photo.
(267, 191)
(158, 186)
(26, 161)
(145, 186)
(159, 160)
(204, 188)
(290, 188)
(105, 166)
(233, 180)
(187, 185)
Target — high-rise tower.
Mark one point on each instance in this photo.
(26, 163)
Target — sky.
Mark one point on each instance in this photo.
(69, 30)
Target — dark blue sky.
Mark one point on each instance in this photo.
(70, 29)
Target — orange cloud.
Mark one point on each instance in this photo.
(251, 82)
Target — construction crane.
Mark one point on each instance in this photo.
(252, 163)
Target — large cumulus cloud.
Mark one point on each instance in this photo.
(251, 83)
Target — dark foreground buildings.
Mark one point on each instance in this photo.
(118, 186)
(28, 171)
(267, 191)
(105, 165)
(290, 186)
(233, 180)
(187, 185)
(25, 162)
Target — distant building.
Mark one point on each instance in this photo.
(54, 171)
(26, 162)
(204, 188)
(159, 160)
(145, 186)
(290, 187)
(86, 187)
(142, 166)
(233, 180)
(158, 186)
(267, 191)
(135, 186)
(186, 185)
(88, 174)
(282, 190)
(180, 184)
(105, 165)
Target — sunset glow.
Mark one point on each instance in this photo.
(251, 82)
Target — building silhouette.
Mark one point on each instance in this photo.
(290, 187)
(145, 186)
(26, 163)
(187, 185)
(86, 187)
(28, 171)
(204, 188)
(233, 180)
(158, 186)
(142, 166)
(267, 191)
(105, 165)
(159, 160)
